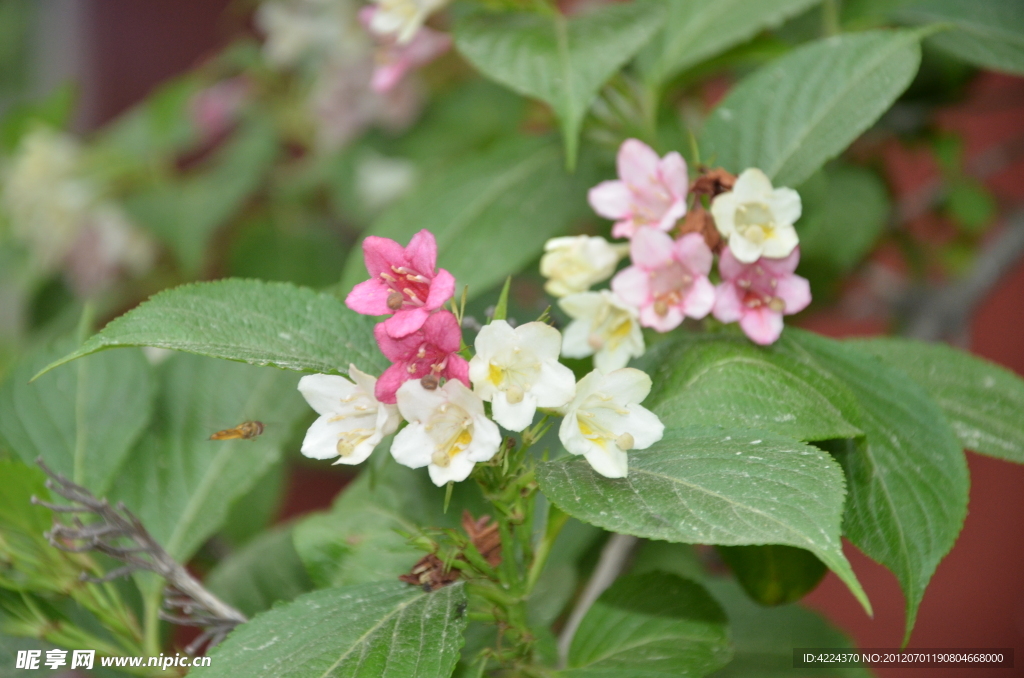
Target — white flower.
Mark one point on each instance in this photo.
(572, 264)
(351, 421)
(756, 219)
(448, 431)
(603, 326)
(403, 18)
(299, 29)
(517, 371)
(605, 419)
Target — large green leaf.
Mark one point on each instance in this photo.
(844, 214)
(715, 486)
(773, 574)
(699, 29)
(907, 480)
(82, 419)
(982, 401)
(381, 630)
(988, 33)
(180, 483)
(727, 381)
(250, 321)
(650, 626)
(491, 214)
(265, 571)
(185, 214)
(563, 62)
(802, 109)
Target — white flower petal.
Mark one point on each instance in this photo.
(744, 250)
(782, 243)
(645, 427)
(752, 185)
(575, 340)
(628, 385)
(539, 339)
(325, 392)
(514, 417)
(785, 205)
(486, 440)
(609, 461)
(458, 469)
(416, 403)
(413, 446)
(555, 387)
(723, 209)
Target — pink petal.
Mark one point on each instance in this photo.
(795, 291)
(661, 323)
(442, 287)
(396, 350)
(426, 46)
(366, 15)
(701, 299)
(637, 163)
(387, 76)
(632, 285)
(611, 199)
(369, 297)
(405, 322)
(762, 325)
(458, 368)
(782, 267)
(675, 212)
(729, 266)
(650, 248)
(624, 229)
(443, 331)
(672, 169)
(389, 383)
(728, 307)
(694, 253)
(381, 254)
(422, 253)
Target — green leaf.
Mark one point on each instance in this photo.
(250, 321)
(725, 380)
(764, 638)
(842, 218)
(714, 486)
(988, 33)
(381, 630)
(178, 481)
(773, 575)
(27, 561)
(982, 401)
(265, 571)
(83, 419)
(185, 214)
(486, 227)
(907, 479)
(791, 116)
(650, 626)
(563, 62)
(357, 542)
(700, 29)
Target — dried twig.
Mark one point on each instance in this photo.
(121, 535)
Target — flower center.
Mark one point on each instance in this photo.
(669, 285)
(755, 222)
(514, 375)
(409, 289)
(451, 429)
(590, 424)
(350, 440)
(759, 290)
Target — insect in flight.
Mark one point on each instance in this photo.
(247, 430)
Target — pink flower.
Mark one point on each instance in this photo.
(759, 294)
(433, 350)
(403, 282)
(668, 280)
(651, 191)
(395, 59)
(214, 109)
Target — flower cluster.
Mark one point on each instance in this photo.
(441, 395)
(672, 255)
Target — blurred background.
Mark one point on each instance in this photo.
(147, 144)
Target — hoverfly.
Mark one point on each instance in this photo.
(247, 430)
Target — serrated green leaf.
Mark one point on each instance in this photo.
(82, 419)
(772, 574)
(265, 571)
(988, 33)
(250, 321)
(907, 480)
(486, 229)
(650, 626)
(982, 401)
(380, 630)
(791, 116)
(178, 481)
(700, 29)
(726, 381)
(563, 62)
(715, 486)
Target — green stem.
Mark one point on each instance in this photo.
(152, 599)
(555, 522)
(830, 17)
